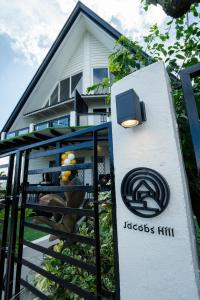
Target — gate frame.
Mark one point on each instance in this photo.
(186, 76)
(14, 207)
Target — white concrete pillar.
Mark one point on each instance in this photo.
(73, 118)
(31, 127)
(3, 136)
(157, 255)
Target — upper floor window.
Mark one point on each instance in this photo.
(76, 83)
(65, 89)
(98, 75)
(54, 96)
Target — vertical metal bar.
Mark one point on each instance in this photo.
(96, 219)
(21, 225)
(13, 229)
(6, 222)
(192, 113)
(57, 163)
(114, 214)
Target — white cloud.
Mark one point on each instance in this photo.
(33, 25)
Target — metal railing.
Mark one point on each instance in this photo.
(56, 123)
(92, 119)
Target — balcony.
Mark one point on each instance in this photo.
(55, 123)
(58, 126)
(92, 119)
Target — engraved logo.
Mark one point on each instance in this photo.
(145, 192)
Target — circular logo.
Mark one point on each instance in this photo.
(145, 192)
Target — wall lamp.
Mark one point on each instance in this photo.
(130, 110)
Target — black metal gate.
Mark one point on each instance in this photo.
(20, 169)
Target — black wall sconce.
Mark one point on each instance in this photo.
(130, 110)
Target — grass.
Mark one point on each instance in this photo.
(29, 234)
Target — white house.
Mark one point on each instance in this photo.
(56, 100)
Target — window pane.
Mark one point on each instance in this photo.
(23, 131)
(47, 104)
(76, 83)
(62, 122)
(100, 115)
(54, 96)
(10, 135)
(41, 126)
(98, 75)
(64, 89)
(112, 78)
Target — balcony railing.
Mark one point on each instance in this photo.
(91, 119)
(83, 119)
(55, 123)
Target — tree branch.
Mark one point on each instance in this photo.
(174, 8)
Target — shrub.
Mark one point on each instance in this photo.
(85, 253)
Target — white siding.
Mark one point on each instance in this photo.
(99, 53)
(75, 64)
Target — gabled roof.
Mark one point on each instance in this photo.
(79, 8)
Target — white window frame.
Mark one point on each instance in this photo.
(99, 67)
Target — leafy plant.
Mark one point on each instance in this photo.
(84, 253)
(178, 45)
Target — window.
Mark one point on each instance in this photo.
(54, 96)
(10, 135)
(76, 83)
(23, 131)
(41, 126)
(62, 122)
(47, 103)
(64, 89)
(98, 75)
(112, 78)
(100, 115)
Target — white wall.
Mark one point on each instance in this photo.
(154, 266)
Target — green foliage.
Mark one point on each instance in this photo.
(178, 45)
(29, 234)
(84, 253)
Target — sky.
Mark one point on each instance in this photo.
(28, 29)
